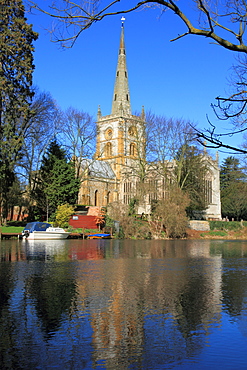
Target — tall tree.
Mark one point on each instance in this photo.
(57, 183)
(16, 68)
(233, 189)
(78, 133)
(230, 172)
(42, 130)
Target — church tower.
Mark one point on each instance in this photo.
(120, 135)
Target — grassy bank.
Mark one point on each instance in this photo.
(222, 230)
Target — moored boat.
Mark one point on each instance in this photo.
(99, 236)
(43, 231)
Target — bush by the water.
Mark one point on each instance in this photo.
(227, 225)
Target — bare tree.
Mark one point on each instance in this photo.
(224, 23)
(213, 18)
(77, 133)
(41, 131)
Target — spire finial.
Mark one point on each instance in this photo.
(122, 19)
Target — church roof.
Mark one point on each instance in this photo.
(100, 169)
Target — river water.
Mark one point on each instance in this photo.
(123, 304)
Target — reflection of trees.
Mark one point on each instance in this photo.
(234, 275)
(234, 287)
(54, 291)
(151, 309)
(143, 305)
(6, 286)
(192, 311)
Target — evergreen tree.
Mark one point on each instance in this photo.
(230, 172)
(233, 189)
(16, 68)
(57, 184)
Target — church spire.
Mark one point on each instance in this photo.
(121, 96)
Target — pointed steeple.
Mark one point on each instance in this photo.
(121, 96)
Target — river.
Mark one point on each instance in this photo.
(123, 304)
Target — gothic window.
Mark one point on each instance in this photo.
(115, 97)
(125, 74)
(108, 149)
(108, 197)
(208, 192)
(132, 131)
(127, 97)
(132, 149)
(96, 196)
(128, 192)
(108, 133)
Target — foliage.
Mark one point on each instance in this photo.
(129, 226)
(224, 225)
(132, 206)
(170, 215)
(230, 172)
(100, 218)
(109, 222)
(233, 190)
(57, 184)
(16, 68)
(14, 197)
(234, 201)
(132, 228)
(63, 214)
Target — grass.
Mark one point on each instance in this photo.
(18, 229)
(11, 229)
(215, 233)
(230, 226)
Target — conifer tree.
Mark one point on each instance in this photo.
(16, 68)
(57, 182)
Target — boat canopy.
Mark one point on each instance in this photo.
(37, 226)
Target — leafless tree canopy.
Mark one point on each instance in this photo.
(224, 23)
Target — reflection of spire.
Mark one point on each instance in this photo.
(121, 88)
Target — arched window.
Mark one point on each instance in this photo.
(96, 198)
(132, 149)
(108, 149)
(108, 197)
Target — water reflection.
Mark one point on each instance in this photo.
(82, 304)
(45, 249)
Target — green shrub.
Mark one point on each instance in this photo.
(63, 214)
(226, 225)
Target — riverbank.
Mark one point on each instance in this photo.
(239, 234)
(232, 230)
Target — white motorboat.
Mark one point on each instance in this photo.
(43, 231)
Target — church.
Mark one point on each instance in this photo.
(119, 170)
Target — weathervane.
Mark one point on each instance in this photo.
(122, 19)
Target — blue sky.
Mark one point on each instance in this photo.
(177, 79)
